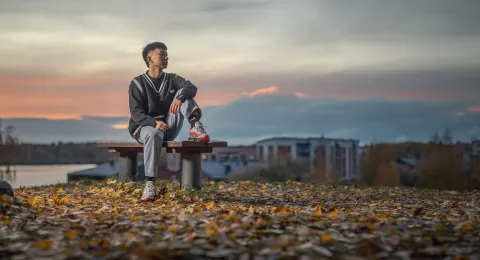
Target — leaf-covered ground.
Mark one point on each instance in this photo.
(239, 220)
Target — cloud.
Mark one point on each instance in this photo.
(248, 119)
(474, 109)
(214, 37)
(263, 91)
(401, 138)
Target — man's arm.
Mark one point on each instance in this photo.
(189, 90)
(136, 101)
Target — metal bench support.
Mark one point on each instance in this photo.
(128, 166)
(191, 169)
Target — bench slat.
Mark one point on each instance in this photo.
(168, 144)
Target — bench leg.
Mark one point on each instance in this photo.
(128, 166)
(191, 168)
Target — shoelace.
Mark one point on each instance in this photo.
(201, 127)
(149, 189)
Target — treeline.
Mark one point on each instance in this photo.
(64, 153)
(13, 152)
(438, 164)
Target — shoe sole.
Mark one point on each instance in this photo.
(194, 137)
(203, 140)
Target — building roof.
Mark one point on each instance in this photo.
(286, 138)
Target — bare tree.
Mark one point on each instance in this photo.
(436, 138)
(10, 150)
(447, 137)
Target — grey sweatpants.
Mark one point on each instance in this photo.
(152, 138)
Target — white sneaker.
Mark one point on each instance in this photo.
(148, 194)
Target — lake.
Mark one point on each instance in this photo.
(33, 175)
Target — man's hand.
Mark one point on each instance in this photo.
(161, 126)
(175, 106)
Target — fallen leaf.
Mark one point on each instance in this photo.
(43, 244)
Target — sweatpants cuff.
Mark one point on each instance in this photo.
(150, 174)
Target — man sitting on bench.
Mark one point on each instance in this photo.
(159, 102)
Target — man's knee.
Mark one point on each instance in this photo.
(152, 134)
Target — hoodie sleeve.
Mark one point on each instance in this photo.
(137, 103)
(189, 90)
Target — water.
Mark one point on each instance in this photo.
(34, 175)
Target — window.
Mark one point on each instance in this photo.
(303, 150)
(213, 157)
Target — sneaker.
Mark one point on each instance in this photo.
(198, 134)
(148, 194)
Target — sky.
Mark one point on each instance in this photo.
(373, 70)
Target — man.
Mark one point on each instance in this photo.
(159, 102)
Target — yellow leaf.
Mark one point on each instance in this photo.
(211, 229)
(43, 244)
(173, 229)
(280, 210)
(233, 216)
(333, 213)
(7, 199)
(370, 226)
(195, 198)
(212, 196)
(318, 211)
(210, 204)
(70, 234)
(134, 218)
(60, 190)
(326, 237)
(6, 222)
(33, 201)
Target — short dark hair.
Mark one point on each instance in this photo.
(150, 47)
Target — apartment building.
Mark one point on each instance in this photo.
(336, 156)
(476, 148)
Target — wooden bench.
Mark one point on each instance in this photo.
(190, 154)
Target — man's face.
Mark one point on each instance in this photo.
(158, 58)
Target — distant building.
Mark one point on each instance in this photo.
(339, 157)
(476, 148)
(232, 153)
